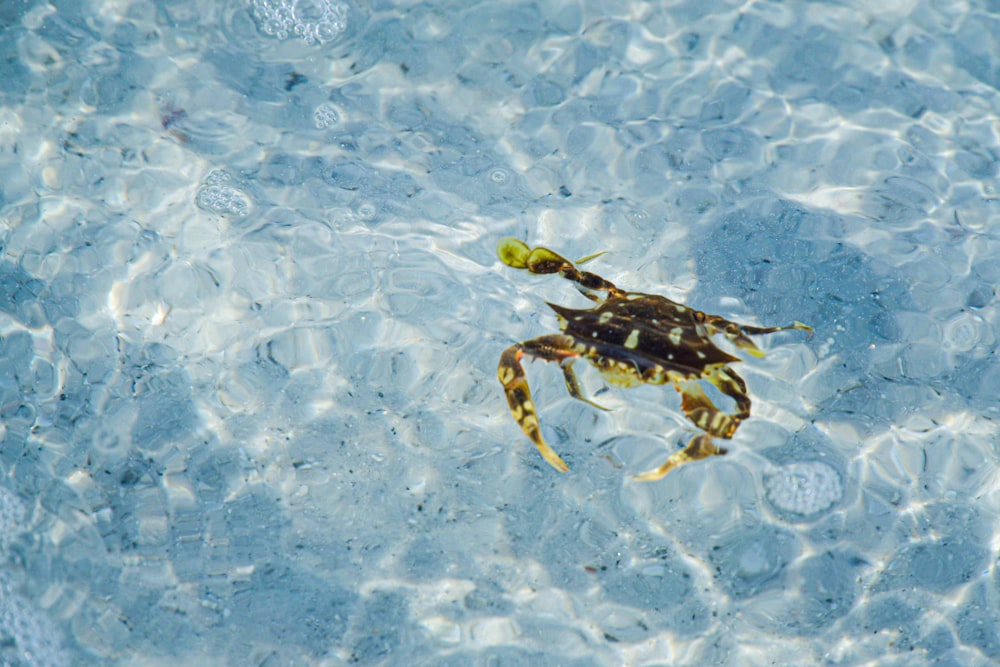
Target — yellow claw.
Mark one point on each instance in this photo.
(517, 254)
(513, 252)
(542, 260)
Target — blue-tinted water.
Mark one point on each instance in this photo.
(251, 311)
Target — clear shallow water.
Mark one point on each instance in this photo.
(250, 315)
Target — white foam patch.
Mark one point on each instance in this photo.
(314, 21)
(217, 196)
(804, 488)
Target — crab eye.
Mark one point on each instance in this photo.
(699, 316)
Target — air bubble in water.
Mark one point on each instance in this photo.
(218, 177)
(314, 21)
(325, 115)
(963, 332)
(804, 488)
(12, 516)
(499, 176)
(218, 197)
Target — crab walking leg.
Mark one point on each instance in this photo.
(733, 386)
(516, 253)
(700, 447)
(737, 333)
(511, 375)
(574, 388)
(699, 409)
(795, 326)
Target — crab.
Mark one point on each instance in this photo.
(632, 338)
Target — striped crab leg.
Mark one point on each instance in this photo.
(701, 447)
(737, 333)
(510, 372)
(700, 409)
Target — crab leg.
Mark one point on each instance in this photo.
(511, 375)
(732, 385)
(737, 333)
(700, 447)
(698, 407)
(516, 253)
(574, 388)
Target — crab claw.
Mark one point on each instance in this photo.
(516, 253)
(513, 252)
